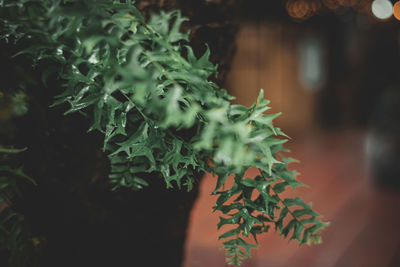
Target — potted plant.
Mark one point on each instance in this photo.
(154, 117)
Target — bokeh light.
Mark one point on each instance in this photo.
(382, 9)
(316, 5)
(396, 10)
(299, 9)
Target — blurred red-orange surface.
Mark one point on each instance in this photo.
(364, 221)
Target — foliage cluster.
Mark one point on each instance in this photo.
(15, 237)
(141, 85)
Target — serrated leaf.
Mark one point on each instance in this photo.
(230, 233)
(247, 246)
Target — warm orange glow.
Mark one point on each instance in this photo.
(315, 5)
(396, 10)
(300, 9)
(304, 9)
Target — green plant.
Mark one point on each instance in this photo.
(15, 238)
(141, 85)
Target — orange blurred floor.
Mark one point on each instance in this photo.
(365, 224)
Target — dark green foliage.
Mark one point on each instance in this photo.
(15, 238)
(140, 84)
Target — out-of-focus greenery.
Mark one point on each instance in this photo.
(15, 238)
(141, 85)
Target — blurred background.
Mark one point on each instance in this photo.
(332, 68)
